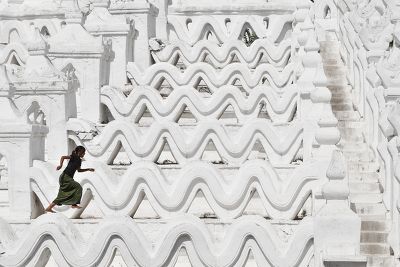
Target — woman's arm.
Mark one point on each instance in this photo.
(86, 170)
(62, 161)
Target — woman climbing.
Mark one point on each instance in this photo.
(70, 191)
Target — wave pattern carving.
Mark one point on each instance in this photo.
(280, 147)
(279, 107)
(59, 236)
(222, 55)
(199, 27)
(282, 196)
(265, 73)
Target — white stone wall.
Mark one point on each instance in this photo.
(209, 151)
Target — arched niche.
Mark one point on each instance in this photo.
(44, 31)
(35, 114)
(13, 32)
(14, 54)
(325, 10)
(74, 84)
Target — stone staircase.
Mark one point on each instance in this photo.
(365, 189)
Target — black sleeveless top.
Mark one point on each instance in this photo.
(73, 165)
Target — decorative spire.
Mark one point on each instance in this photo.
(37, 45)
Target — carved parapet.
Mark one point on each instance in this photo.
(222, 55)
(280, 146)
(282, 196)
(320, 130)
(224, 28)
(337, 227)
(327, 134)
(248, 234)
(227, 6)
(280, 106)
(213, 78)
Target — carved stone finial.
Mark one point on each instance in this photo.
(307, 24)
(37, 45)
(336, 188)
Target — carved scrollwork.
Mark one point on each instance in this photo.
(373, 24)
(388, 68)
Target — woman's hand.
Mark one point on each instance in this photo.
(59, 167)
(91, 169)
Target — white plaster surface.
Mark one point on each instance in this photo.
(210, 149)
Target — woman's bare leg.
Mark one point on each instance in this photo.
(50, 208)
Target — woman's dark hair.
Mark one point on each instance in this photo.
(78, 149)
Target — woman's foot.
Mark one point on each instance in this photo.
(49, 210)
(76, 206)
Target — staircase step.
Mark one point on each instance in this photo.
(341, 96)
(329, 45)
(339, 68)
(351, 124)
(346, 115)
(357, 187)
(361, 152)
(369, 209)
(351, 145)
(328, 60)
(352, 142)
(362, 166)
(342, 106)
(374, 237)
(338, 81)
(335, 74)
(362, 155)
(373, 249)
(367, 217)
(359, 148)
(337, 90)
(350, 130)
(340, 90)
(342, 100)
(329, 48)
(340, 93)
(363, 176)
(365, 198)
(381, 226)
(380, 261)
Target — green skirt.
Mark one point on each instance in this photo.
(70, 191)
